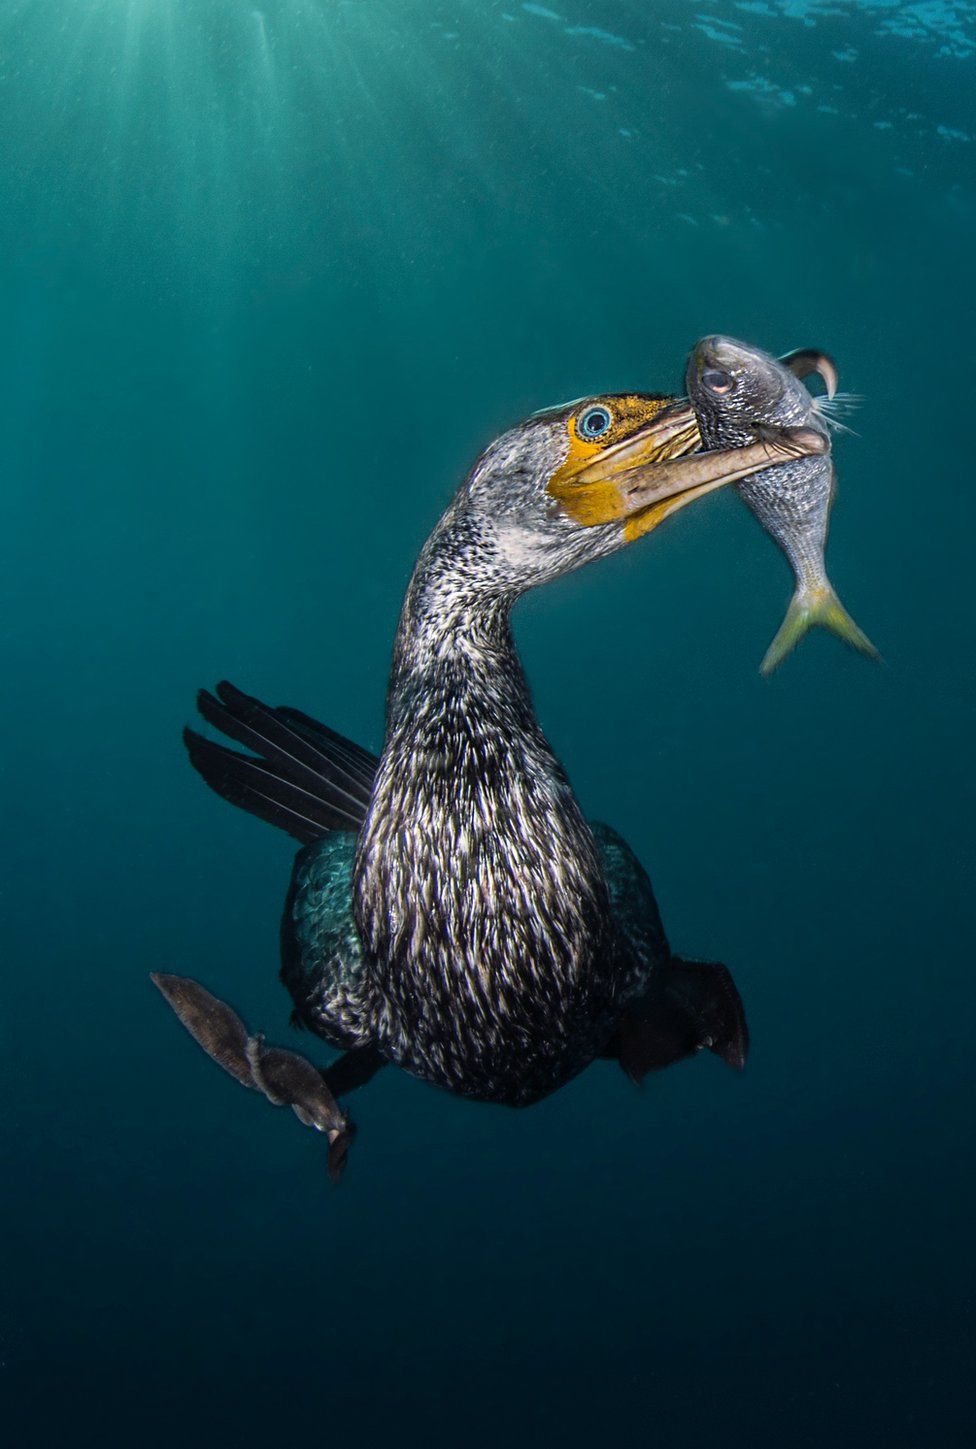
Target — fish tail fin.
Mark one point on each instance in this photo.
(808, 609)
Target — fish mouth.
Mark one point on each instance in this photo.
(658, 470)
(719, 351)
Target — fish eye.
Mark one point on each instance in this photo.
(716, 380)
(594, 423)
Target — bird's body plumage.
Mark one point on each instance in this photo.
(494, 1056)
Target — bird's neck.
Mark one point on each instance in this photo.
(474, 840)
(455, 636)
(459, 712)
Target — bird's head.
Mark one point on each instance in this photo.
(575, 483)
(569, 484)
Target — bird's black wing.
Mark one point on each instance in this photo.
(302, 777)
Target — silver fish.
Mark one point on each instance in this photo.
(742, 395)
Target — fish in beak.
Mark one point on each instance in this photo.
(643, 478)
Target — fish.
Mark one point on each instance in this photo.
(742, 395)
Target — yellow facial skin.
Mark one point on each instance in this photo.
(646, 464)
(592, 484)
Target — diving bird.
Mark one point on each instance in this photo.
(451, 910)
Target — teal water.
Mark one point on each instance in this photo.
(270, 278)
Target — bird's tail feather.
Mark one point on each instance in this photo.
(302, 777)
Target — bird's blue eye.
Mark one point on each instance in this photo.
(594, 423)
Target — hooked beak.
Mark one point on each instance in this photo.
(656, 471)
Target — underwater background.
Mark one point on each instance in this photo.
(269, 279)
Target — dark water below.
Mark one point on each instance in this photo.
(270, 278)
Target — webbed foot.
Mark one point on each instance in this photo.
(694, 1007)
(283, 1077)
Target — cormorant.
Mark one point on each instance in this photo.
(451, 910)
